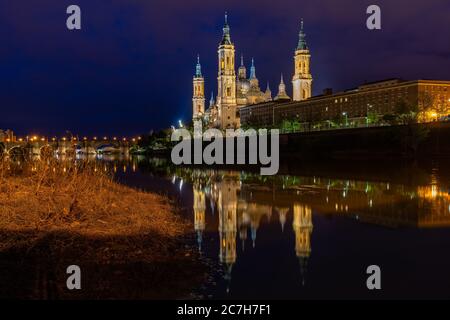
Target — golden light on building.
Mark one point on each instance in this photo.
(431, 192)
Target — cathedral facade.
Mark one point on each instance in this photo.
(235, 91)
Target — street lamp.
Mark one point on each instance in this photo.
(180, 123)
(346, 118)
(369, 106)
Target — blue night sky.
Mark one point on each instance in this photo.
(130, 68)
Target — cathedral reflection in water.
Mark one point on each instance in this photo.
(242, 202)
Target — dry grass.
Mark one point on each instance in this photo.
(42, 197)
(53, 214)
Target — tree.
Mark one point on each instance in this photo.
(426, 106)
(406, 113)
(372, 117)
(389, 118)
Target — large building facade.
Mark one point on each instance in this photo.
(235, 91)
(354, 107)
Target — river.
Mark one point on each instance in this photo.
(309, 232)
(313, 233)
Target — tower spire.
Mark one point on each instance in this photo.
(226, 31)
(242, 72)
(253, 70)
(268, 93)
(211, 101)
(198, 68)
(302, 38)
(302, 79)
(282, 95)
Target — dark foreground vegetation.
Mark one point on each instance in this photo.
(129, 244)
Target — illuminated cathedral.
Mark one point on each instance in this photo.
(238, 90)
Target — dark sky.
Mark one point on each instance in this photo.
(130, 68)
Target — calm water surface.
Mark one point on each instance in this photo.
(312, 234)
(309, 232)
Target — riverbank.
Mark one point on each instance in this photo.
(414, 141)
(128, 243)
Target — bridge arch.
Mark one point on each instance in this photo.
(17, 151)
(46, 150)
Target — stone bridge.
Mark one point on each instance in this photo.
(66, 146)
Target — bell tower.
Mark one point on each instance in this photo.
(198, 99)
(302, 79)
(226, 95)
